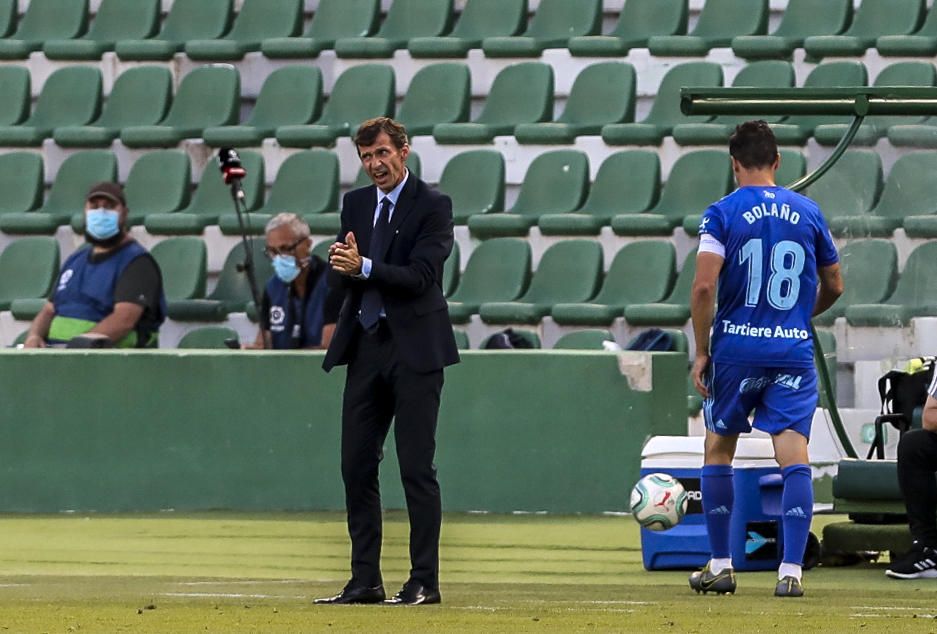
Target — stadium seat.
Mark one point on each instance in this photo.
(28, 267)
(665, 111)
(923, 43)
(21, 181)
(601, 94)
(474, 180)
(70, 96)
(551, 27)
(521, 93)
(75, 176)
(497, 271)
(207, 338)
(479, 19)
(15, 87)
(208, 96)
(556, 182)
(874, 18)
(718, 23)
(461, 339)
(827, 341)
(45, 20)
(532, 338)
(450, 272)
(332, 20)
(870, 269)
(8, 15)
(913, 296)
(187, 20)
(642, 272)
(638, 20)
(851, 187)
(569, 271)
(212, 199)
(438, 93)
(183, 263)
(256, 21)
(592, 339)
(291, 95)
(140, 96)
(696, 180)
(673, 311)
(800, 20)
(115, 20)
(406, 19)
(346, 107)
(627, 182)
(761, 74)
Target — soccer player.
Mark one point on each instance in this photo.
(765, 248)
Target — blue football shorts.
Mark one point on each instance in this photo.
(782, 398)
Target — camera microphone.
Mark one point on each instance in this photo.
(229, 162)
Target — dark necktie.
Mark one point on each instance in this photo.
(371, 303)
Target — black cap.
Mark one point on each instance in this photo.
(107, 189)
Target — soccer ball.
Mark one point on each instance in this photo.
(658, 501)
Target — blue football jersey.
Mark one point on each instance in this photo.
(774, 242)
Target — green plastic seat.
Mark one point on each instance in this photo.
(591, 339)
(187, 20)
(673, 311)
(827, 341)
(532, 338)
(479, 19)
(360, 93)
(75, 176)
(332, 20)
(140, 96)
(551, 27)
(913, 296)
(761, 74)
(183, 262)
(212, 199)
(450, 272)
(873, 19)
(638, 21)
(627, 182)
(718, 23)
(556, 182)
(461, 339)
(115, 20)
(915, 135)
(15, 87)
(439, 93)
(256, 21)
(21, 180)
(569, 271)
(696, 180)
(207, 338)
(801, 19)
(851, 187)
(923, 43)
(45, 20)
(8, 15)
(70, 96)
(869, 269)
(498, 270)
(665, 111)
(208, 96)
(28, 267)
(291, 95)
(406, 19)
(642, 272)
(474, 180)
(601, 94)
(521, 93)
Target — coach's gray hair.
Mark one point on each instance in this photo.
(295, 223)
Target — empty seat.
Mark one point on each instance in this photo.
(140, 96)
(718, 23)
(207, 338)
(360, 93)
(673, 311)
(923, 43)
(869, 269)
(642, 272)
(521, 93)
(115, 20)
(28, 267)
(461, 339)
(45, 20)
(406, 19)
(913, 296)
(665, 111)
(70, 96)
(474, 180)
(450, 272)
(638, 21)
(556, 182)
(15, 87)
(851, 187)
(801, 19)
(332, 20)
(256, 21)
(187, 20)
(551, 27)
(873, 18)
(8, 14)
(291, 95)
(497, 271)
(208, 96)
(479, 19)
(591, 339)
(439, 93)
(601, 94)
(21, 181)
(183, 262)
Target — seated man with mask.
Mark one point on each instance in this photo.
(297, 311)
(110, 291)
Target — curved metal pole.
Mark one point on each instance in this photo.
(808, 179)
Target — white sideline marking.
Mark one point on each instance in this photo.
(885, 607)
(241, 582)
(14, 585)
(891, 616)
(229, 595)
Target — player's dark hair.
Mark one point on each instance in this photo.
(753, 145)
(372, 128)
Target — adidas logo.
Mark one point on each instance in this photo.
(719, 510)
(796, 512)
(720, 424)
(925, 564)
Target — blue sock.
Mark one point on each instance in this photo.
(797, 506)
(718, 497)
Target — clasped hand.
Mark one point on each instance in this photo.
(344, 256)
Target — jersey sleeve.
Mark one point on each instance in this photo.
(712, 224)
(825, 247)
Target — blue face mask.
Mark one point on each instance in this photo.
(286, 267)
(102, 223)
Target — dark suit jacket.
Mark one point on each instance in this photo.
(408, 276)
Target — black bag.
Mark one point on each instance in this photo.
(653, 339)
(507, 339)
(902, 393)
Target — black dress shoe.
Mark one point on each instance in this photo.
(354, 594)
(415, 593)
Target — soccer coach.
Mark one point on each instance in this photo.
(394, 334)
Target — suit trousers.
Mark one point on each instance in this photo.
(378, 388)
(917, 463)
